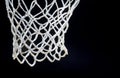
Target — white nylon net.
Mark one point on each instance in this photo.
(39, 28)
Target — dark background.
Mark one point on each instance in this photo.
(84, 40)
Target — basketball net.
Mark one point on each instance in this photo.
(39, 30)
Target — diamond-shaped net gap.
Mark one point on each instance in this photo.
(38, 28)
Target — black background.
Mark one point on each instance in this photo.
(84, 40)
